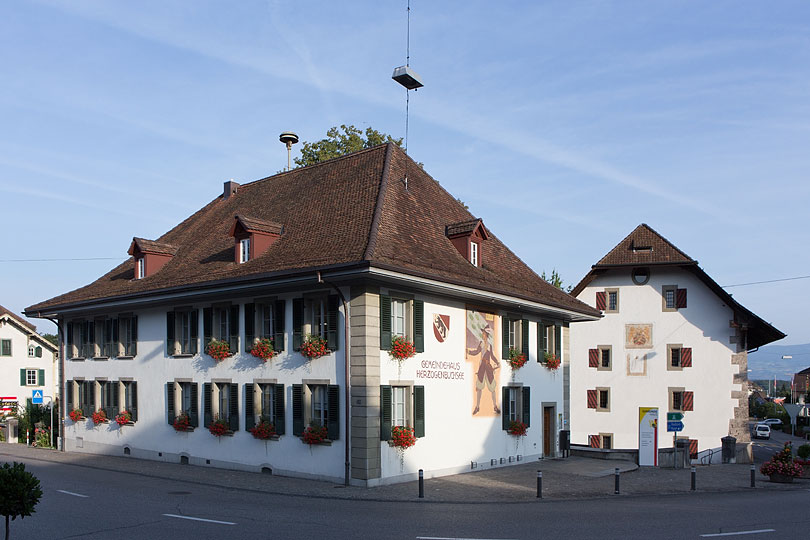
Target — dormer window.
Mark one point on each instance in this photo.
(468, 237)
(244, 250)
(149, 256)
(253, 237)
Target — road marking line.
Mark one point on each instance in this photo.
(456, 538)
(740, 532)
(74, 494)
(200, 519)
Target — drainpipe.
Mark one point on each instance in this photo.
(61, 381)
(347, 395)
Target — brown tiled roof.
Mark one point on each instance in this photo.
(252, 224)
(462, 228)
(4, 311)
(150, 246)
(355, 209)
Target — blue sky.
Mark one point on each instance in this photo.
(562, 124)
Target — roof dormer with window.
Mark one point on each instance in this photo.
(150, 256)
(468, 238)
(253, 237)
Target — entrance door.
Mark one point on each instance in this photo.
(548, 431)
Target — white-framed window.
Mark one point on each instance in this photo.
(107, 398)
(399, 317)
(267, 402)
(185, 401)
(515, 328)
(399, 405)
(221, 400)
(244, 250)
(127, 335)
(474, 253)
(32, 351)
(515, 405)
(512, 403)
(140, 268)
(267, 317)
(182, 332)
(316, 320)
(129, 398)
(5, 347)
(319, 405)
(222, 323)
(31, 377)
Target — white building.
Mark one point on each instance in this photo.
(27, 363)
(670, 338)
(347, 251)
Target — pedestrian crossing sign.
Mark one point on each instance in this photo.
(36, 399)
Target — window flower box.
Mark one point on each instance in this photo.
(218, 349)
(314, 434)
(401, 349)
(517, 428)
(124, 418)
(182, 423)
(516, 359)
(551, 361)
(264, 431)
(219, 427)
(263, 348)
(99, 417)
(402, 437)
(76, 415)
(314, 347)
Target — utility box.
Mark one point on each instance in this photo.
(11, 430)
(729, 446)
(565, 443)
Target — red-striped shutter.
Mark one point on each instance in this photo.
(592, 399)
(686, 357)
(693, 449)
(595, 441)
(600, 300)
(680, 298)
(688, 401)
(593, 358)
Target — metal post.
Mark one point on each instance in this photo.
(753, 475)
(539, 484)
(616, 486)
(694, 478)
(421, 484)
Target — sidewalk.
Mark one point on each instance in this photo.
(570, 478)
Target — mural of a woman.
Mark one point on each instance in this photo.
(480, 346)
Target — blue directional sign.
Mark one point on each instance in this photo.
(674, 426)
(36, 398)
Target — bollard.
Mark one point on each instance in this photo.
(616, 486)
(421, 484)
(694, 479)
(753, 475)
(539, 484)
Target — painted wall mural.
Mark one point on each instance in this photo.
(481, 351)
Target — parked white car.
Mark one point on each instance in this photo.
(771, 422)
(762, 431)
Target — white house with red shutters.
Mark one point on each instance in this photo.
(670, 338)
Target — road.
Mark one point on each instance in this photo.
(764, 448)
(81, 502)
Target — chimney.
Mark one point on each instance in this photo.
(231, 188)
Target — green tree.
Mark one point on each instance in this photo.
(52, 338)
(341, 141)
(19, 492)
(556, 280)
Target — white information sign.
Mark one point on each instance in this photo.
(648, 436)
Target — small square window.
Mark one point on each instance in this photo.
(32, 351)
(612, 300)
(603, 396)
(668, 293)
(605, 358)
(31, 377)
(674, 358)
(5, 347)
(607, 440)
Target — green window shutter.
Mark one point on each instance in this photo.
(280, 327)
(385, 322)
(170, 413)
(115, 397)
(233, 405)
(505, 407)
(385, 413)
(333, 408)
(298, 409)
(524, 338)
(278, 420)
(541, 332)
(115, 338)
(208, 326)
(234, 328)
(418, 325)
(91, 395)
(22, 377)
(69, 396)
(207, 413)
(298, 324)
(195, 331)
(134, 338)
(526, 406)
(38, 352)
(419, 411)
(558, 341)
(40, 377)
(69, 340)
(195, 408)
(134, 409)
(504, 338)
(250, 416)
(170, 350)
(250, 326)
(332, 323)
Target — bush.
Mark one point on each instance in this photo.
(19, 492)
(804, 451)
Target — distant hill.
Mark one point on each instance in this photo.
(767, 362)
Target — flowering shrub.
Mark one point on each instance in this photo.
(517, 428)
(314, 434)
(218, 349)
(99, 417)
(782, 463)
(219, 427)
(314, 346)
(76, 415)
(264, 430)
(551, 360)
(123, 418)
(182, 422)
(401, 348)
(402, 437)
(516, 358)
(263, 348)
(42, 437)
